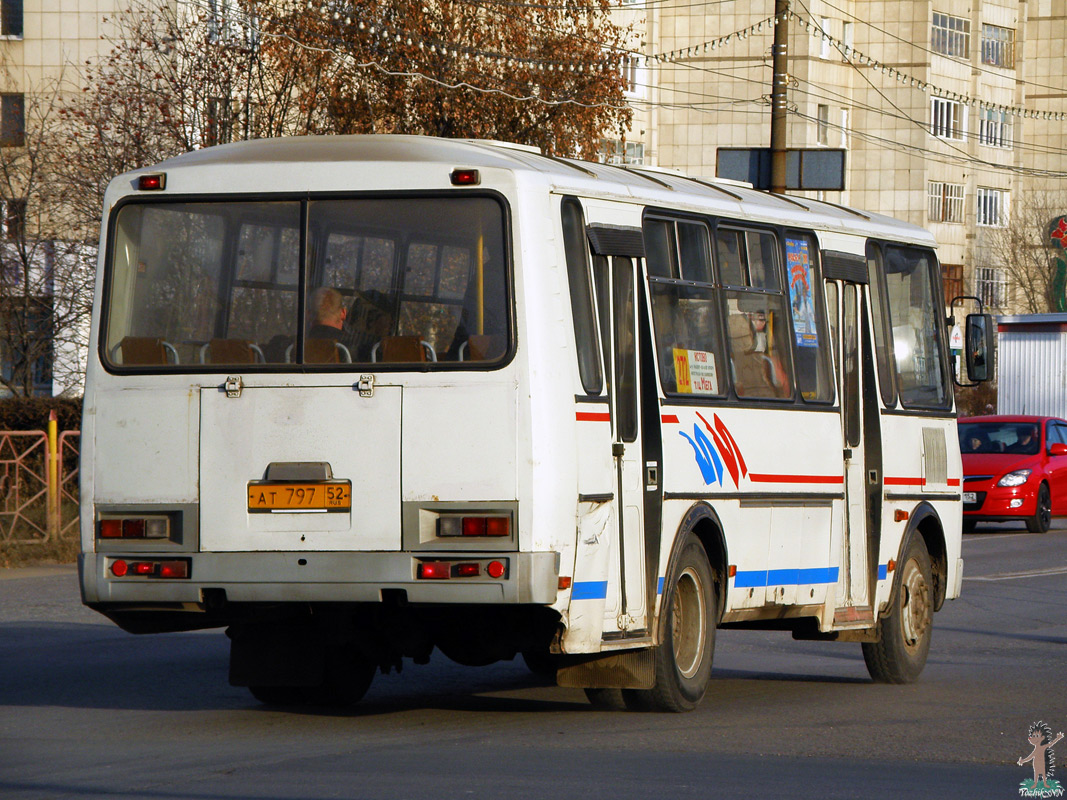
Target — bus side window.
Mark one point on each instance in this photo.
(883, 348)
(581, 290)
(685, 306)
(811, 352)
(756, 322)
(911, 280)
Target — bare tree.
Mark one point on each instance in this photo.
(46, 265)
(1028, 252)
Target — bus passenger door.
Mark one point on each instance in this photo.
(844, 301)
(625, 607)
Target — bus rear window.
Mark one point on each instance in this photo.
(386, 282)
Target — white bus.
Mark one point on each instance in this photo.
(355, 398)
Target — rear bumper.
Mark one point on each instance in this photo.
(319, 577)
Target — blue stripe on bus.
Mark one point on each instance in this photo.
(752, 579)
(883, 570)
(659, 586)
(589, 590)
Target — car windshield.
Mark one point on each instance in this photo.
(1021, 438)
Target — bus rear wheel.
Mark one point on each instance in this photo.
(345, 680)
(900, 653)
(683, 659)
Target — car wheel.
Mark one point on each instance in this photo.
(1041, 521)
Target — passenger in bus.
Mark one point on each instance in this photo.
(328, 314)
(757, 371)
(370, 321)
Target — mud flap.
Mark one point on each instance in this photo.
(629, 669)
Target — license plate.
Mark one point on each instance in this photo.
(970, 497)
(268, 497)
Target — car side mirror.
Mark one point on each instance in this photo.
(1057, 449)
(979, 351)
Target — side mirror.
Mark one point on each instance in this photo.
(1057, 449)
(979, 347)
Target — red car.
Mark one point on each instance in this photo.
(1014, 468)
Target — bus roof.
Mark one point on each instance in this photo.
(325, 163)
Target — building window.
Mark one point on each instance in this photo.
(991, 285)
(824, 124)
(10, 17)
(994, 128)
(12, 219)
(950, 36)
(948, 119)
(998, 46)
(12, 120)
(824, 45)
(992, 207)
(848, 39)
(615, 151)
(633, 75)
(952, 280)
(844, 127)
(945, 201)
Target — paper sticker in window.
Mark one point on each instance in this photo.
(801, 294)
(695, 372)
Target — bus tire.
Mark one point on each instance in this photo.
(1041, 521)
(900, 653)
(683, 659)
(279, 695)
(345, 681)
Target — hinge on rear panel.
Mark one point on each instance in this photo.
(234, 385)
(365, 386)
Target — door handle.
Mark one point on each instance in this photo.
(618, 449)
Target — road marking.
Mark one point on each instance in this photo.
(1011, 576)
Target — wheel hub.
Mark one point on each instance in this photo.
(915, 605)
(689, 623)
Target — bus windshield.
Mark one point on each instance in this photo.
(384, 281)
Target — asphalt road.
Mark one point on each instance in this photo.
(88, 711)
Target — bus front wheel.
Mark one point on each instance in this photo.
(683, 659)
(900, 653)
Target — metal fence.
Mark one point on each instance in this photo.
(38, 485)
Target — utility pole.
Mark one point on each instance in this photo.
(779, 64)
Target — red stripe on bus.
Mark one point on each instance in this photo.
(669, 418)
(953, 481)
(903, 481)
(592, 416)
(766, 478)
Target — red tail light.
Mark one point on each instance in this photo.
(465, 177)
(495, 569)
(467, 570)
(174, 569)
(435, 570)
(152, 183)
(111, 529)
(150, 569)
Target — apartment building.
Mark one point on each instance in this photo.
(952, 114)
